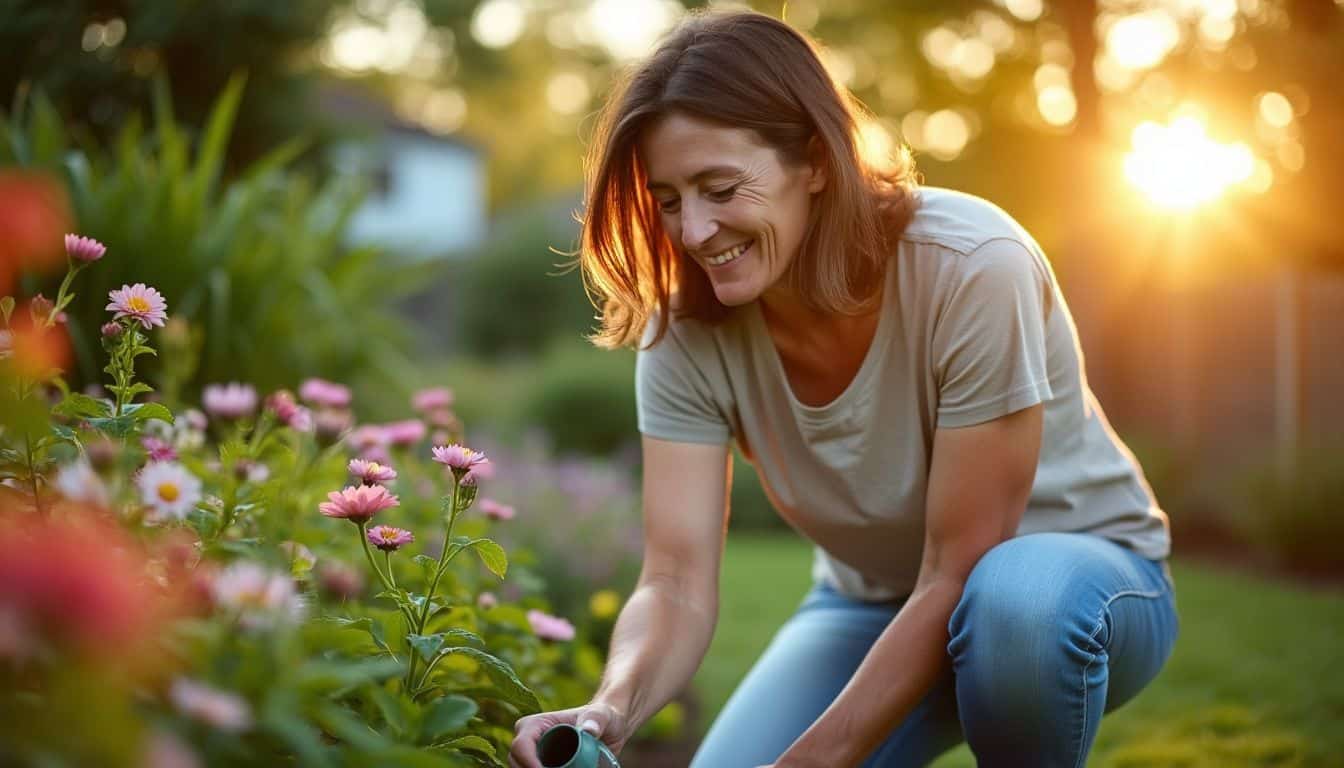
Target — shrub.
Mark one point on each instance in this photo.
(255, 263)
(1297, 516)
(584, 399)
(513, 299)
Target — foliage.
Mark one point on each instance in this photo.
(256, 264)
(263, 644)
(1296, 516)
(584, 399)
(577, 518)
(518, 272)
(97, 59)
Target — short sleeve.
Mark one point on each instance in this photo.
(989, 346)
(673, 397)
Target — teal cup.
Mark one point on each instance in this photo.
(564, 746)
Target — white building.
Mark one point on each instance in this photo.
(427, 196)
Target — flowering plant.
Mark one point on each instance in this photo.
(174, 574)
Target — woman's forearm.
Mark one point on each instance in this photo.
(658, 643)
(901, 667)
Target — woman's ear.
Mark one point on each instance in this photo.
(818, 167)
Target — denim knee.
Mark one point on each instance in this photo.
(1017, 630)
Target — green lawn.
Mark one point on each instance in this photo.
(1257, 677)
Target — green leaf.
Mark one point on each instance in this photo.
(374, 628)
(492, 555)
(343, 724)
(448, 714)
(455, 637)
(398, 711)
(507, 685)
(80, 406)
(473, 744)
(402, 599)
(428, 646)
(145, 411)
(117, 426)
(323, 676)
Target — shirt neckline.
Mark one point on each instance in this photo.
(871, 360)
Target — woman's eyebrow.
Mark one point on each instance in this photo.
(713, 170)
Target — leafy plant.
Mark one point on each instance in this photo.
(255, 262)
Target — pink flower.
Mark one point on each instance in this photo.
(549, 627)
(260, 596)
(496, 511)
(340, 580)
(432, 399)
(408, 432)
(389, 539)
(371, 472)
(229, 401)
(225, 711)
(40, 306)
(459, 457)
(138, 302)
(368, 436)
(84, 249)
(324, 393)
(158, 449)
(110, 330)
(486, 600)
(330, 423)
(358, 503)
(164, 750)
(289, 412)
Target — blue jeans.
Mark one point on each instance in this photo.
(1052, 630)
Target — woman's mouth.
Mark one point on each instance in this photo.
(728, 256)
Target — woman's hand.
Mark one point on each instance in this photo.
(601, 720)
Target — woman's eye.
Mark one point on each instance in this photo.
(669, 206)
(722, 195)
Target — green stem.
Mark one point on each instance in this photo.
(32, 471)
(444, 559)
(70, 271)
(424, 678)
(368, 553)
(387, 561)
(386, 580)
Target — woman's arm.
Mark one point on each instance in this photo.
(979, 482)
(665, 627)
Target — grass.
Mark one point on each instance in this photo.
(1256, 679)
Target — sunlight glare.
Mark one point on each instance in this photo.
(629, 29)
(498, 23)
(1142, 40)
(1179, 167)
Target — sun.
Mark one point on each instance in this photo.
(1177, 166)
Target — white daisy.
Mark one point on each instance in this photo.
(169, 489)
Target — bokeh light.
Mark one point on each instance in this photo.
(1178, 166)
(498, 23)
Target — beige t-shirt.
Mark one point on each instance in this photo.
(973, 327)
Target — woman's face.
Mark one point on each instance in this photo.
(728, 202)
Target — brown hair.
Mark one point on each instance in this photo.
(747, 70)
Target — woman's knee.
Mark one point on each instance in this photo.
(1020, 612)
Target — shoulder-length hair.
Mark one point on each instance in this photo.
(745, 70)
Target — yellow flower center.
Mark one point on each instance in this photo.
(169, 491)
(138, 304)
(375, 467)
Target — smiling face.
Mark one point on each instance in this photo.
(728, 202)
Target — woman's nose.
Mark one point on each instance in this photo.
(697, 227)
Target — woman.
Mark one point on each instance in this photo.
(899, 365)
